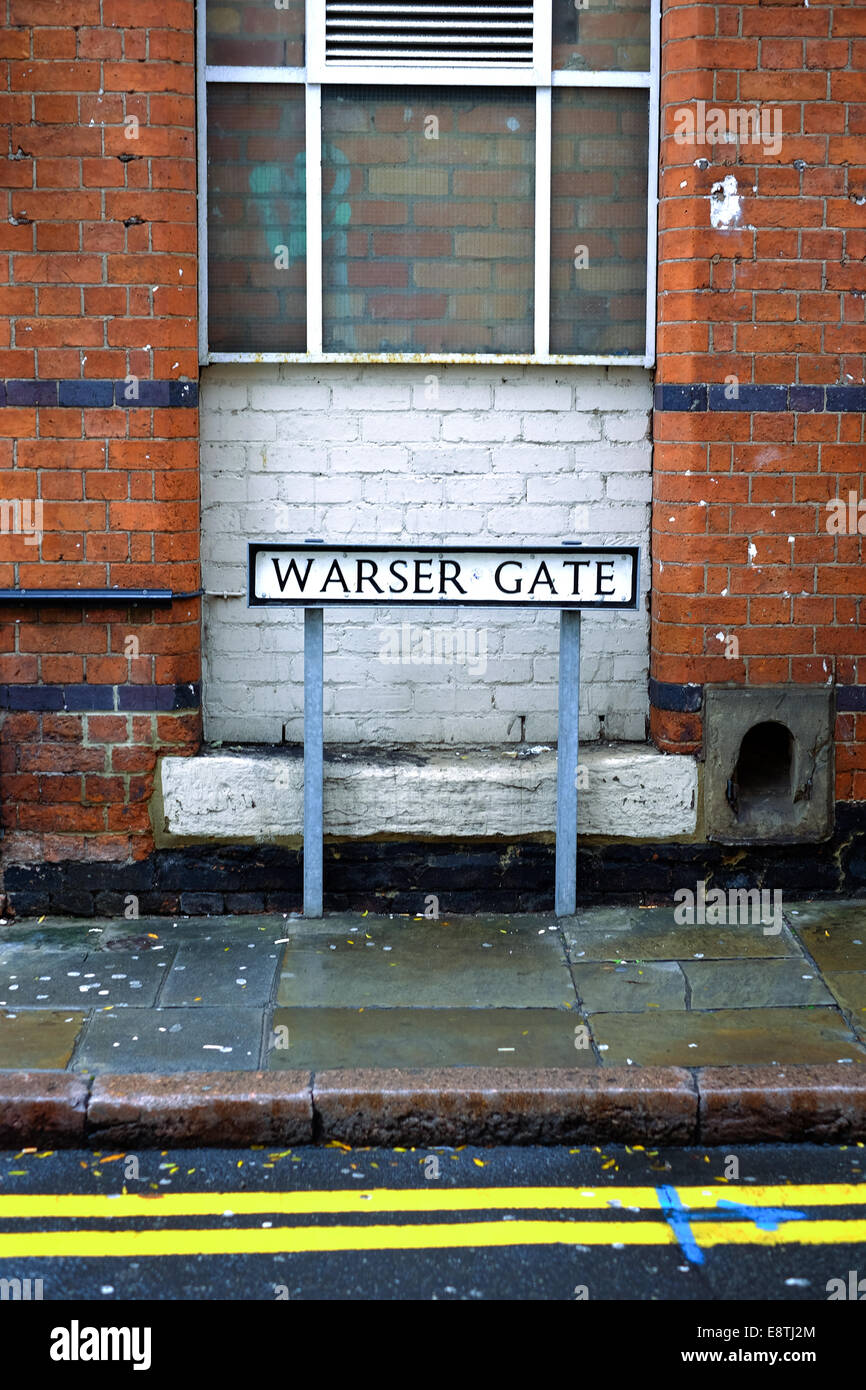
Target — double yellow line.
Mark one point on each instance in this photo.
(615, 1227)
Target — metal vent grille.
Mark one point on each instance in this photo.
(495, 33)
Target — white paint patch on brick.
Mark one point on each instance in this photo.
(420, 455)
(623, 791)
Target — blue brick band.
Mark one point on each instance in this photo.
(81, 698)
(98, 394)
(846, 398)
(85, 394)
(748, 397)
(680, 397)
(850, 697)
(681, 699)
(141, 393)
(716, 396)
(687, 699)
(31, 393)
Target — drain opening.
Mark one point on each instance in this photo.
(763, 781)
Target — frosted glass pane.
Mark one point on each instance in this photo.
(428, 219)
(255, 33)
(256, 218)
(598, 221)
(601, 35)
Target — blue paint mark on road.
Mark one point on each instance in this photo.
(765, 1218)
(680, 1218)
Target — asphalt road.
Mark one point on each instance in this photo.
(450, 1225)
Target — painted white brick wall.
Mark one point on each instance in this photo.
(420, 454)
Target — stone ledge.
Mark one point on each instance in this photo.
(426, 1107)
(43, 1108)
(624, 790)
(769, 1105)
(479, 1105)
(191, 1108)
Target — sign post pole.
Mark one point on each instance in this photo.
(314, 643)
(566, 763)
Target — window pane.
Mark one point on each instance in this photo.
(602, 35)
(427, 219)
(598, 217)
(256, 218)
(255, 33)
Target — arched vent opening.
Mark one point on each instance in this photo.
(763, 781)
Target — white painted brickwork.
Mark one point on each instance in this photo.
(258, 797)
(420, 454)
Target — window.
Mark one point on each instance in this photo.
(464, 179)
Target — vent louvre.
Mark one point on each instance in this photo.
(455, 33)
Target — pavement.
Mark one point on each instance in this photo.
(615, 1024)
(767, 1223)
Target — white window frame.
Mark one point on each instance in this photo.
(542, 81)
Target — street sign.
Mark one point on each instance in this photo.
(313, 576)
(316, 575)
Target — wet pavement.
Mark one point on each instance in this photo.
(610, 986)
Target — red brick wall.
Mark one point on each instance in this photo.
(776, 300)
(98, 253)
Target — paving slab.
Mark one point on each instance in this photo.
(125, 979)
(217, 973)
(458, 964)
(849, 988)
(525, 923)
(834, 934)
(660, 938)
(69, 933)
(39, 1039)
(175, 931)
(169, 1040)
(57, 933)
(726, 1037)
(323, 1039)
(751, 984)
(65, 980)
(602, 919)
(611, 988)
(31, 977)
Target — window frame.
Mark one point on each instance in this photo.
(426, 77)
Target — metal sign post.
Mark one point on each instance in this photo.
(313, 576)
(566, 763)
(314, 695)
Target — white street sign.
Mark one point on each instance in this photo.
(309, 574)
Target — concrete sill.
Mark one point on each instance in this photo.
(248, 794)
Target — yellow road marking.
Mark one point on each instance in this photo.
(808, 1195)
(365, 1201)
(354, 1200)
(309, 1239)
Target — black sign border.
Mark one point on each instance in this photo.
(383, 601)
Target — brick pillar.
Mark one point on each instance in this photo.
(760, 395)
(98, 421)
